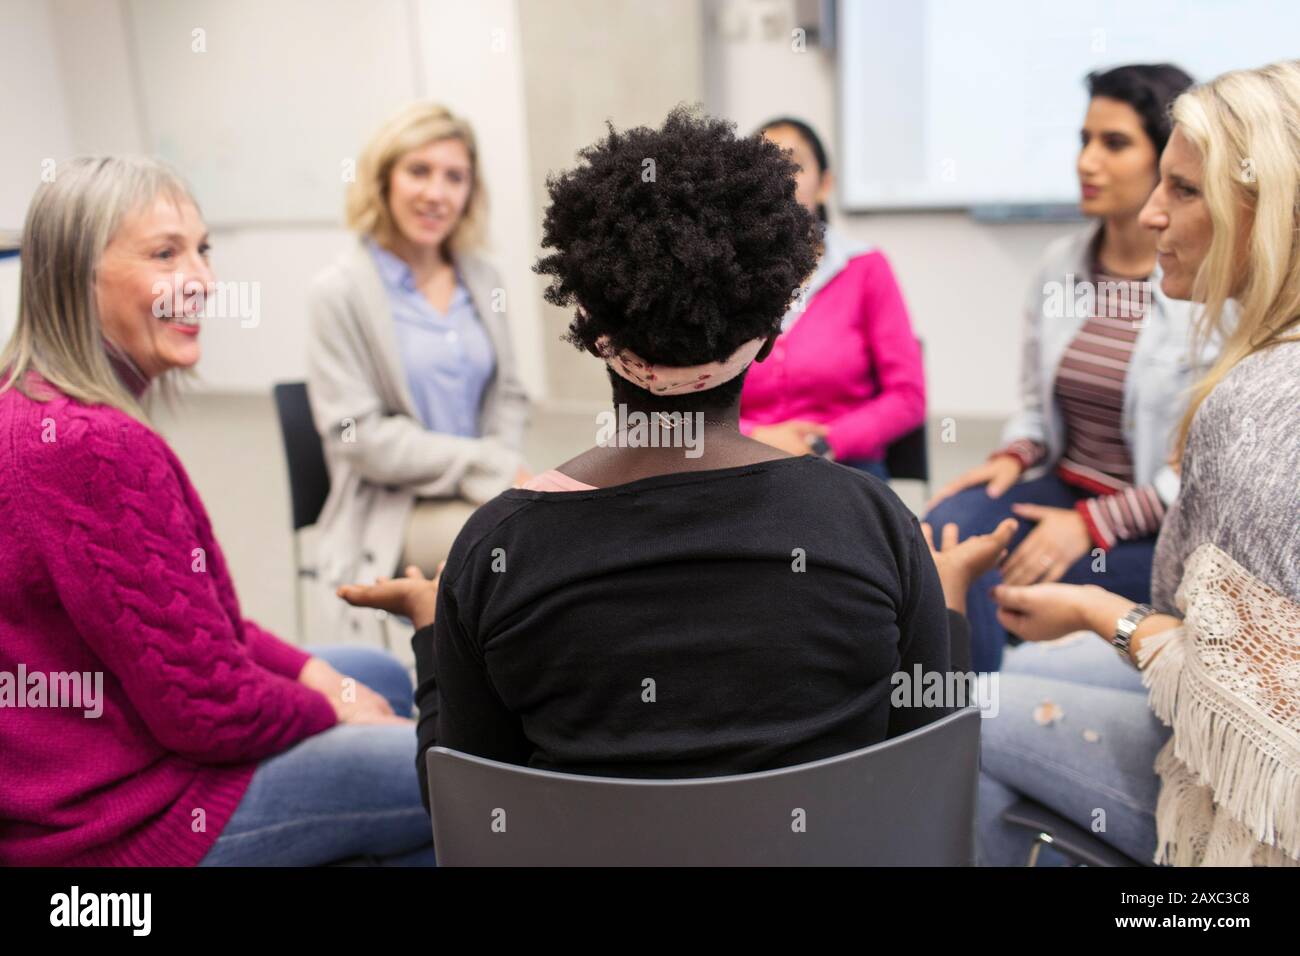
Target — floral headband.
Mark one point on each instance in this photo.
(678, 379)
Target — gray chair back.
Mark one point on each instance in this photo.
(907, 801)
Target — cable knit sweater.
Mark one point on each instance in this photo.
(108, 565)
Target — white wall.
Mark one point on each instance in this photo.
(963, 280)
(94, 69)
(472, 60)
(9, 278)
(35, 120)
(587, 62)
(35, 125)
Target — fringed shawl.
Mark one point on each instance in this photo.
(1228, 680)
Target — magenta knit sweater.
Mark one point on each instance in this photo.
(108, 564)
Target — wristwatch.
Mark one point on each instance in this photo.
(1126, 625)
(820, 446)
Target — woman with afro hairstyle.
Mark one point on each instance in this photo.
(680, 600)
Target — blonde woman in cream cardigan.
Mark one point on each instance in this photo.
(411, 374)
(1219, 652)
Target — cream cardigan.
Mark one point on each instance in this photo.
(380, 456)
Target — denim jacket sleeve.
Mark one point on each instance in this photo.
(1029, 422)
(1035, 419)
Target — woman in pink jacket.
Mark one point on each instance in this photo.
(844, 378)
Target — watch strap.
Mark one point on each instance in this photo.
(820, 446)
(1127, 625)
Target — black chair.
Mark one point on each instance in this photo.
(309, 479)
(908, 459)
(309, 483)
(1057, 832)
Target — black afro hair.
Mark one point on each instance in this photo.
(679, 243)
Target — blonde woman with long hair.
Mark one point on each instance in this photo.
(194, 736)
(411, 375)
(1219, 646)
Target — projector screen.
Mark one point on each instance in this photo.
(954, 104)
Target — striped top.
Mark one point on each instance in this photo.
(1090, 390)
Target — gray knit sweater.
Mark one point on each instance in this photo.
(1241, 478)
(1227, 679)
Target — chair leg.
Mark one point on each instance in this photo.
(297, 587)
(1076, 844)
(1034, 850)
(1041, 840)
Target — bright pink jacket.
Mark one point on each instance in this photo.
(851, 361)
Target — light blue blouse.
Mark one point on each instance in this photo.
(447, 356)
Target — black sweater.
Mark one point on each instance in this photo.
(684, 625)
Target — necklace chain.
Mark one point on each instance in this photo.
(667, 423)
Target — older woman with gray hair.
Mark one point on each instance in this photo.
(204, 739)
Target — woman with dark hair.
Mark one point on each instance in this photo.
(1106, 366)
(846, 381)
(685, 606)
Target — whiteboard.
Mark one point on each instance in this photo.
(955, 104)
(262, 107)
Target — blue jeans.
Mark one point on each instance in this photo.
(348, 792)
(1092, 766)
(1127, 568)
